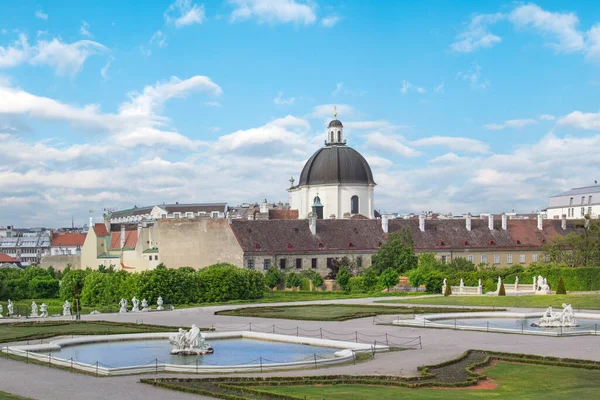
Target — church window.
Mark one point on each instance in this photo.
(354, 205)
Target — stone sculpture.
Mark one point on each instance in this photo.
(499, 284)
(10, 308)
(1, 309)
(552, 319)
(190, 343)
(462, 283)
(159, 303)
(135, 305)
(67, 308)
(44, 310)
(95, 312)
(479, 284)
(123, 304)
(444, 287)
(145, 305)
(542, 286)
(34, 310)
(516, 283)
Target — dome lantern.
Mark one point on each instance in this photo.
(335, 131)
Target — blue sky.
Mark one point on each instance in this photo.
(473, 106)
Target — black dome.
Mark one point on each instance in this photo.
(336, 123)
(336, 164)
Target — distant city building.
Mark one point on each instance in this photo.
(64, 244)
(7, 261)
(28, 246)
(575, 203)
(151, 213)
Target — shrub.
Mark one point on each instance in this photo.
(448, 290)
(293, 280)
(343, 278)
(502, 291)
(388, 278)
(317, 281)
(560, 288)
(356, 284)
(72, 284)
(223, 282)
(434, 281)
(370, 280)
(274, 277)
(43, 287)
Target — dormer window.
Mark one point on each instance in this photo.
(256, 246)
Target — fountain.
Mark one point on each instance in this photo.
(190, 343)
(552, 319)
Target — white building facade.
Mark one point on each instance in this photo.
(575, 203)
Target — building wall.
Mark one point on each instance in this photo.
(306, 258)
(574, 212)
(490, 254)
(335, 199)
(197, 243)
(59, 262)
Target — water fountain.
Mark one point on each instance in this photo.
(190, 343)
(552, 319)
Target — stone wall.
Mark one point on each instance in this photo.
(59, 263)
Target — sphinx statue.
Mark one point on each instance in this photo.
(552, 319)
(190, 343)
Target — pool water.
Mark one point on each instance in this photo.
(227, 352)
(518, 324)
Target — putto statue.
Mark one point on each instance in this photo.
(10, 308)
(190, 343)
(159, 303)
(552, 319)
(542, 286)
(136, 305)
(34, 309)
(123, 304)
(145, 305)
(44, 310)
(67, 308)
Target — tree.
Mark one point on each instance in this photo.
(398, 253)
(370, 279)
(317, 281)
(335, 264)
(293, 280)
(273, 277)
(502, 291)
(560, 288)
(578, 248)
(343, 278)
(388, 278)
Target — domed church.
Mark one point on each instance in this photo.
(335, 182)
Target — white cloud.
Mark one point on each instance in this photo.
(159, 38)
(213, 104)
(448, 158)
(511, 123)
(144, 51)
(477, 36)
(104, 70)
(273, 11)
(453, 143)
(473, 76)
(84, 30)
(407, 86)
(16, 54)
(338, 88)
(439, 88)
(380, 125)
(280, 100)
(562, 27)
(580, 120)
(547, 117)
(593, 42)
(389, 144)
(41, 15)
(186, 13)
(66, 59)
(330, 21)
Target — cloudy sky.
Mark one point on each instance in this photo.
(484, 106)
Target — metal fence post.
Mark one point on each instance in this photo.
(250, 324)
(49, 360)
(316, 361)
(261, 370)
(321, 331)
(420, 343)
(96, 368)
(386, 340)
(297, 331)
(156, 366)
(356, 334)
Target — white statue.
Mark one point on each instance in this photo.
(479, 284)
(145, 305)
(462, 283)
(552, 319)
(444, 287)
(67, 308)
(159, 303)
(534, 284)
(10, 308)
(135, 305)
(1, 309)
(189, 343)
(540, 282)
(95, 312)
(499, 284)
(34, 309)
(516, 282)
(44, 310)
(546, 287)
(123, 304)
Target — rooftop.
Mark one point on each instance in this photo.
(580, 191)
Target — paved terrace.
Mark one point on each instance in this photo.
(438, 345)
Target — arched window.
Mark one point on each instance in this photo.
(354, 205)
(339, 136)
(331, 137)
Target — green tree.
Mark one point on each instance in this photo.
(388, 278)
(274, 277)
(398, 253)
(293, 280)
(370, 279)
(578, 248)
(317, 281)
(560, 288)
(343, 278)
(72, 284)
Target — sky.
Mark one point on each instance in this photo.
(471, 106)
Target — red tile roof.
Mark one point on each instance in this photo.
(100, 229)
(131, 238)
(68, 239)
(5, 258)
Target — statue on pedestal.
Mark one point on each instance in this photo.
(44, 310)
(444, 287)
(190, 343)
(135, 305)
(159, 303)
(145, 305)
(10, 308)
(123, 304)
(1, 309)
(67, 308)
(499, 284)
(34, 309)
(516, 283)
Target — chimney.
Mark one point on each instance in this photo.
(540, 222)
(504, 221)
(312, 223)
(122, 236)
(491, 222)
(264, 207)
(563, 222)
(91, 223)
(422, 222)
(139, 232)
(468, 221)
(384, 222)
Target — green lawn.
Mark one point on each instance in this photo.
(332, 312)
(18, 331)
(578, 301)
(511, 380)
(8, 396)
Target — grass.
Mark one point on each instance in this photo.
(578, 301)
(511, 380)
(333, 312)
(8, 396)
(20, 331)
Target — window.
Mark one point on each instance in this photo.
(163, 215)
(176, 215)
(215, 214)
(282, 263)
(582, 199)
(509, 258)
(266, 263)
(314, 263)
(443, 259)
(582, 211)
(359, 262)
(590, 200)
(471, 258)
(298, 263)
(189, 214)
(339, 136)
(522, 258)
(590, 211)
(496, 258)
(571, 201)
(156, 258)
(354, 205)
(250, 263)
